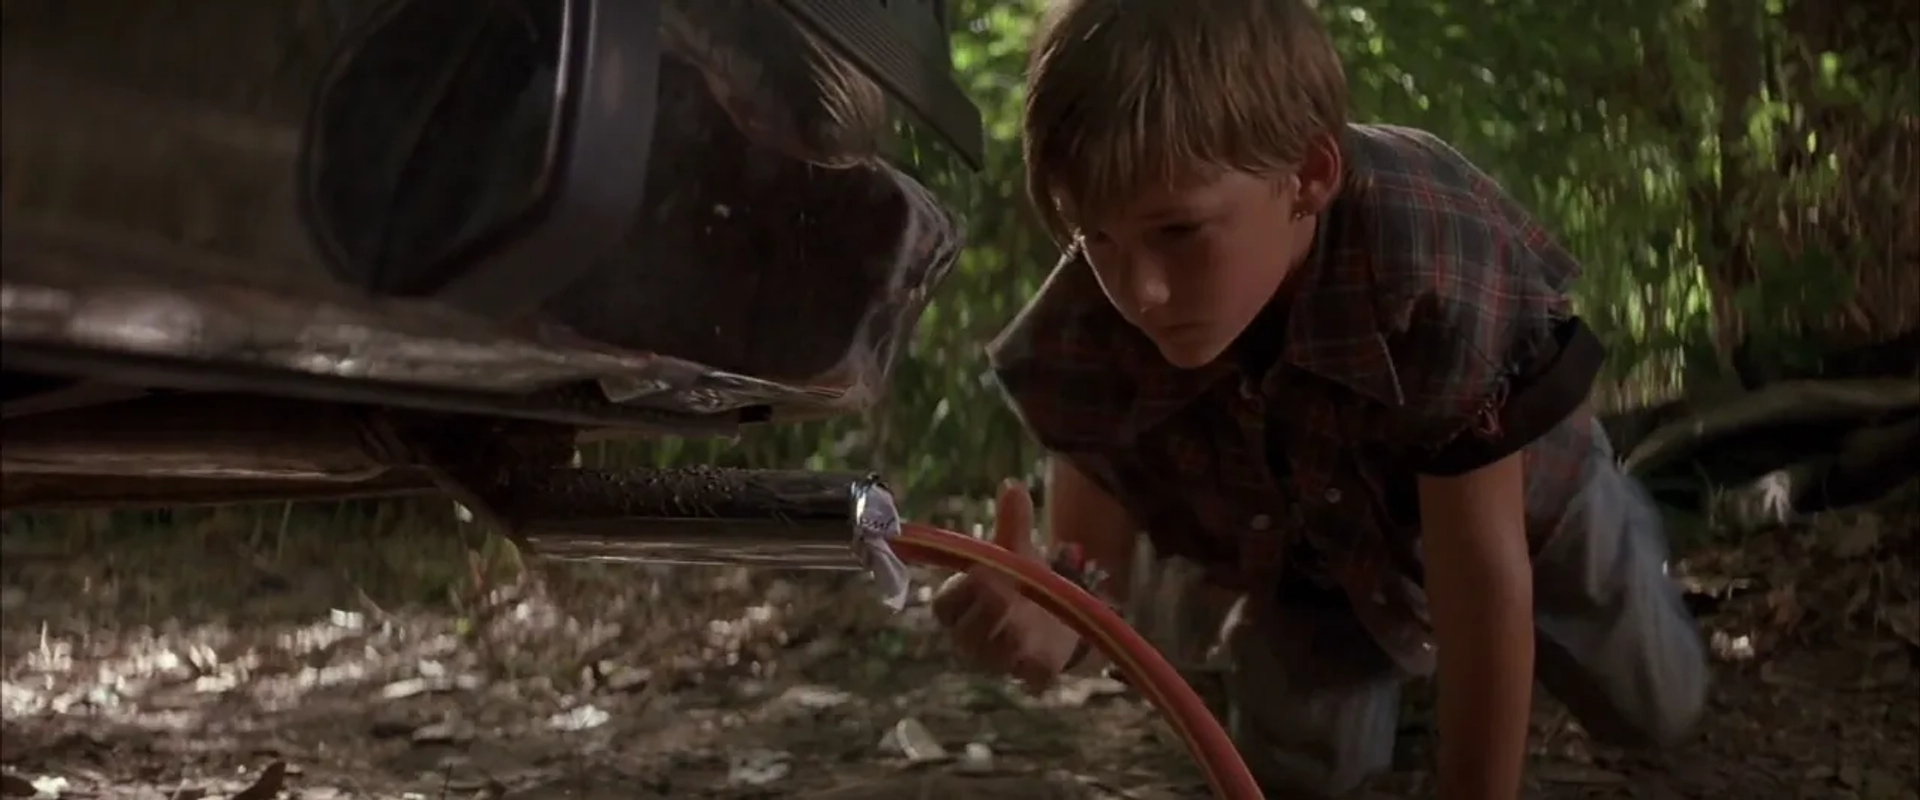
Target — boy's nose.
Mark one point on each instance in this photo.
(1150, 288)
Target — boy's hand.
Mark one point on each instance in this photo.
(991, 622)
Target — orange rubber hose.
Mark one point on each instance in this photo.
(1107, 632)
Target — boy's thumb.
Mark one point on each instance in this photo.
(1013, 518)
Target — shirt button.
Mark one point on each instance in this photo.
(1260, 522)
(1333, 496)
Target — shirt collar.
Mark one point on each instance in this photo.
(1332, 328)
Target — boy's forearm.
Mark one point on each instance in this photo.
(1079, 512)
(1480, 588)
(1486, 686)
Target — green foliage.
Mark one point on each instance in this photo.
(1709, 161)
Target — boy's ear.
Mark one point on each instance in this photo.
(1319, 175)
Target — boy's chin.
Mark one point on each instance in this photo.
(1189, 354)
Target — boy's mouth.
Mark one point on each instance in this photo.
(1178, 331)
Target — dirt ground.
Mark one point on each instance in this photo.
(243, 656)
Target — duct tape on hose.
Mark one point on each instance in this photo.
(876, 523)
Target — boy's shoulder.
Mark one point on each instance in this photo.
(1072, 367)
(1443, 284)
(1421, 218)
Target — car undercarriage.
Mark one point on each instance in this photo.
(321, 250)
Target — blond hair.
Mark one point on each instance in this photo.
(1127, 95)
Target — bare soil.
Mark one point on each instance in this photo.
(256, 654)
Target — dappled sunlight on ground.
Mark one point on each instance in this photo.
(602, 682)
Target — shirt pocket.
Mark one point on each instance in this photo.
(1336, 482)
(1234, 508)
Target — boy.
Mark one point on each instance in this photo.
(1335, 365)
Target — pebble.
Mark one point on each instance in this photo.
(579, 718)
(978, 758)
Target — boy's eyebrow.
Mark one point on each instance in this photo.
(1180, 202)
(1182, 206)
(1176, 210)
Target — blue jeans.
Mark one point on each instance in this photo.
(1313, 703)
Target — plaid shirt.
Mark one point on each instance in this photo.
(1427, 291)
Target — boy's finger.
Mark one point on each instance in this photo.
(1013, 518)
(956, 595)
(977, 634)
(1034, 676)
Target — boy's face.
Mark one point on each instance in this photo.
(1193, 264)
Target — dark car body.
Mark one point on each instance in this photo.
(321, 248)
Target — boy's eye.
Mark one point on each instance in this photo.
(1177, 230)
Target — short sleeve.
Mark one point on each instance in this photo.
(1493, 358)
(1544, 387)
